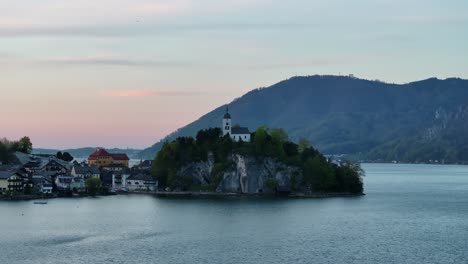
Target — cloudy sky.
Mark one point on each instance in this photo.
(125, 73)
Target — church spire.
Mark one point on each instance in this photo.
(227, 115)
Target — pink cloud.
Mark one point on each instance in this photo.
(128, 93)
(146, 93)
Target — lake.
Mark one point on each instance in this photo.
(411, 214)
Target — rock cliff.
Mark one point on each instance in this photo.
(247, 175)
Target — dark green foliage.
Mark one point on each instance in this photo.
(271, 184)
(344, 115)
(319, 174)
(93, 185)
(8, 148)
(65, 156)
(24, 145)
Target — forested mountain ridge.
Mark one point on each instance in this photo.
(414, 122)
(83, 153)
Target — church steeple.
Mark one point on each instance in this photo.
(227, 115)
(226, 123)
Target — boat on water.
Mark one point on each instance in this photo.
(40, 202)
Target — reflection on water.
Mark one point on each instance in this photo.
(411, 214)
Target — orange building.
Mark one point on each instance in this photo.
(103, 158)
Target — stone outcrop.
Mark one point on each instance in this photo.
(247, 175)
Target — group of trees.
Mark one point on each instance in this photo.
(8, 148)
(319, 174)
(65, 156)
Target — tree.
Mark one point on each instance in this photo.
(303, 144)
(271, 184)
(260, 139)
(93, 185)
(25, 145)
(279, 135)
(65, 156)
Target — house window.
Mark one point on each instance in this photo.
(136, 183)
(227, 124)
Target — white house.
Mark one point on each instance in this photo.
(70, 183)
(140, 182)
(41, 184)
(237, 133)
(85, 171)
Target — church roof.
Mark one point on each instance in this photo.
(239, 131)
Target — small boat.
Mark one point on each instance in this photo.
(40, 202)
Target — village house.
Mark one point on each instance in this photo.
(32, 166)
(85, 171)
(102, 158)
(144, 165)
(8, 179)
(67, 183)
(140, 182)
(113, 180)
(237, 133)
(11, 181)
(55, 167)
(115, 167)
(41, 184)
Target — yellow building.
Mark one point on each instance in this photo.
(10, 181)
(102, 158)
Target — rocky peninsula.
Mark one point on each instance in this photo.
(212, 164)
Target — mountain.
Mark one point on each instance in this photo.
(82, 153)
(372, 120)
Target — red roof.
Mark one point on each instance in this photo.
(120, 156)
(104, 153)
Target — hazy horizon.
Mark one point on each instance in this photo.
(127, 73)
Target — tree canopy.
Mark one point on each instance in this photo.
(93, 185)
(8, 148)
(65, 156)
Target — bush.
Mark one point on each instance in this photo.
(93, 185)
(271, 184)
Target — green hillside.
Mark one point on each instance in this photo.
(414, 122)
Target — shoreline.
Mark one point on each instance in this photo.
(214, 194)
(191, 194)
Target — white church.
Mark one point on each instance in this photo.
(237, 133)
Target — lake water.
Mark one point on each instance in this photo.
(411, 214)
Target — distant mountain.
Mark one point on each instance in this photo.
(415, 122)
(82, 153)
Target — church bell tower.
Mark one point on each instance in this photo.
(226, 123)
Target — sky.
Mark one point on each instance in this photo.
(125, 73)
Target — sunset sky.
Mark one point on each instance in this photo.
(124, 73)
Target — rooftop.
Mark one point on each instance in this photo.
(240, 131)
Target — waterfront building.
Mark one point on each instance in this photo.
(67, 183)
(5, 176)
(113, 180)
(41, 184)
(140, 182)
